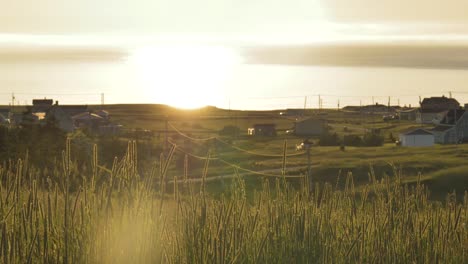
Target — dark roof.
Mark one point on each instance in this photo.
(418, 131)
(87, 116)
(439, 100)
(452, 117)
(432, 111)
(441, 128)
(43, 102)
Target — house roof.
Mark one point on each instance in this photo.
(102, 113)
(86, 116)
(439, 100)
(441, 128)
(48, 102)
(418, 131)
(452, 116)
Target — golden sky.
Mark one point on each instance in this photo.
(426, 39)
(233, 17)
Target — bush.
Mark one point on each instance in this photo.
(352, 140)
(329, 140)
(229, 131)
(373, 140)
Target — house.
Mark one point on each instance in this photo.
(453, 128)
(417, 138)
(440, 103)
(408, 114)
(433, 109)
(102, 113)
(41, 105)
(430, 116)
(28, 118)
(5, 116)
(310, 127)
(60, 118)
(89, 121)
(263, 130)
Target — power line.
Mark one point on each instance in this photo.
(190, 154)
(235, 147)
(260, 173)
(259, 154)
(234, 165)
(189, 137)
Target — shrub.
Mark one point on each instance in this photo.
(329, 140)
(229, 131)
(353, 140)
(373, 140)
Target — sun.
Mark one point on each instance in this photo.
(184, 76)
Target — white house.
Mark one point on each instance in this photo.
(417, 138)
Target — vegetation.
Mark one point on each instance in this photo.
(229, 131)
(121, 215)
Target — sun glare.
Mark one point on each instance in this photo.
(184, 76)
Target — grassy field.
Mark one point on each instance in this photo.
(236, 199)
(120, 215)
(328, 163)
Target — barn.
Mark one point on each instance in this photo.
(417, 138)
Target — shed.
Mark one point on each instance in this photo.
(417, 138)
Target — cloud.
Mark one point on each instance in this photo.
(42, 54)
(446, 56)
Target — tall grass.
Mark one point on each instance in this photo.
(120, 215)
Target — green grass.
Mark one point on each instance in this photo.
(121, 215)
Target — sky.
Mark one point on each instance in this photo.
(220, 18)
(413, 34)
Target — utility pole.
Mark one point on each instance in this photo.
(319, 103)
(388, 109)
(450, 94)
(305, 105)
